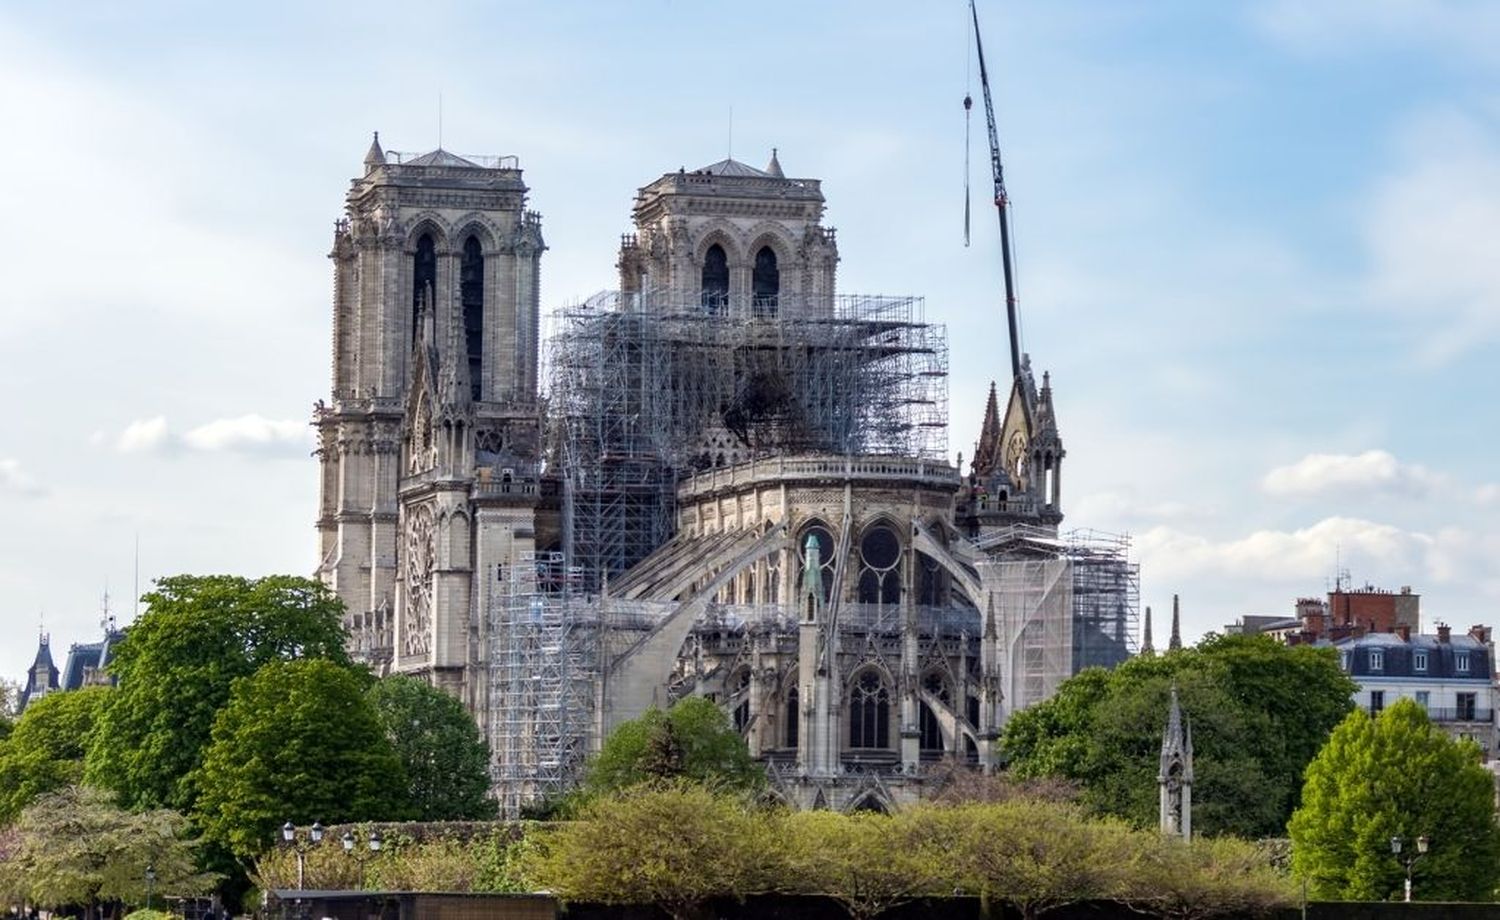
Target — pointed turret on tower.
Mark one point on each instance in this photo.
(1175, 642)
(1146, 648)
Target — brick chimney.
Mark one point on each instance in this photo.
(1444, 631)
(1480, 632)
(1404, 632)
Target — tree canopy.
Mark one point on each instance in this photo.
(445, 760)
(299, 741)
(1259, 712)
(75, 847)
(45, 751)
(1397, 775)
(177, 663)
(692, 740)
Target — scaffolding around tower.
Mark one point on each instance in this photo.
(642, 391)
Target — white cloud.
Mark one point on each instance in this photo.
(1429, 233)
(1372, 472)
(144, 436)
(1121, 508)
(250, 435)
(15, 479)
(1488, 494)
(1284, 556)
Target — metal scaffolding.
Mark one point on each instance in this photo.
(641, 392)
(1106, 598)
(544, 661)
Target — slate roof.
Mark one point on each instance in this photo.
(732, 167)
(441, 157)
(43, 660)
(1398, 657)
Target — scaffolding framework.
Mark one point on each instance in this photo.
(544, 659)
(641, 392)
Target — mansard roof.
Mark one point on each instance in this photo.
(43, 663)
(1398, 657)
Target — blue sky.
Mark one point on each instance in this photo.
(1257, 245)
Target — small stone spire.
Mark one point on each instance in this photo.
(1175, 642)
(774, 167)
(375, 157)
(1146, 648)
(1175, 777)
(987, 451)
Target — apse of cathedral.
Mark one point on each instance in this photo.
(733, 483)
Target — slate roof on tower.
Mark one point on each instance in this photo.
(732, 167)
(441, 157)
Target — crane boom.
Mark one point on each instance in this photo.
(1002, 203)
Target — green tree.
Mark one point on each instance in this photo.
(298, 741)
(675, 845)
(1259, 712)
(1206, 877)
(177, 663)
(867, 862)
(445, 759)
(1037, 855)
(45, 751)
(1397, 775)
(693, 740)
(76, 847)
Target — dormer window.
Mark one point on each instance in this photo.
(1461, 662)
(1377, 659)
(1419, 661)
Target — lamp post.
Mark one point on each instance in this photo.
(301, 845)
(150, 883)
(362, 856)
(1410, 858)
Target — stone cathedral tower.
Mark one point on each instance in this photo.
(429, 446)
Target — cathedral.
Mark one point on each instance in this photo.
(725, 479)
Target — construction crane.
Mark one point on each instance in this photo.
(1002, 203)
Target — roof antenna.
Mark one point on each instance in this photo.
(440, 119)
(731, 132)
(135, 613)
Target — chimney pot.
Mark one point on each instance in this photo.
(1444, 631)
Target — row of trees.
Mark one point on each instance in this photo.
(1260, 711)
(237, 707)
(680, 844)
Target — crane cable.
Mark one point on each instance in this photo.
(968, 118)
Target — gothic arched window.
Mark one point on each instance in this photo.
(715, 280)
(423, 279)
(869, 712)
(931, 731)
(880, 572)
(471, 292)
(765, 283)
(824, 539)
(792, 718)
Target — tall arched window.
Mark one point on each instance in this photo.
(715, 280)
(471, 292)
(931, 732)
(826, 561)
(869, 712)
(765, 283)
(793, 718)
(423, 278)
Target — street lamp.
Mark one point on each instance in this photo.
(314, 837)
(362, 857)
(1410, 858)
(150, 883)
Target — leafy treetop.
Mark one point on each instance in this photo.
(445, 759)
(177, 663)
(299, 741)
(45, 752)
(1397, 775)
(692, 740)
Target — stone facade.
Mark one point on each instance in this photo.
(858, 615)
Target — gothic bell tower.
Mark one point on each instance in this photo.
(428, 447)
